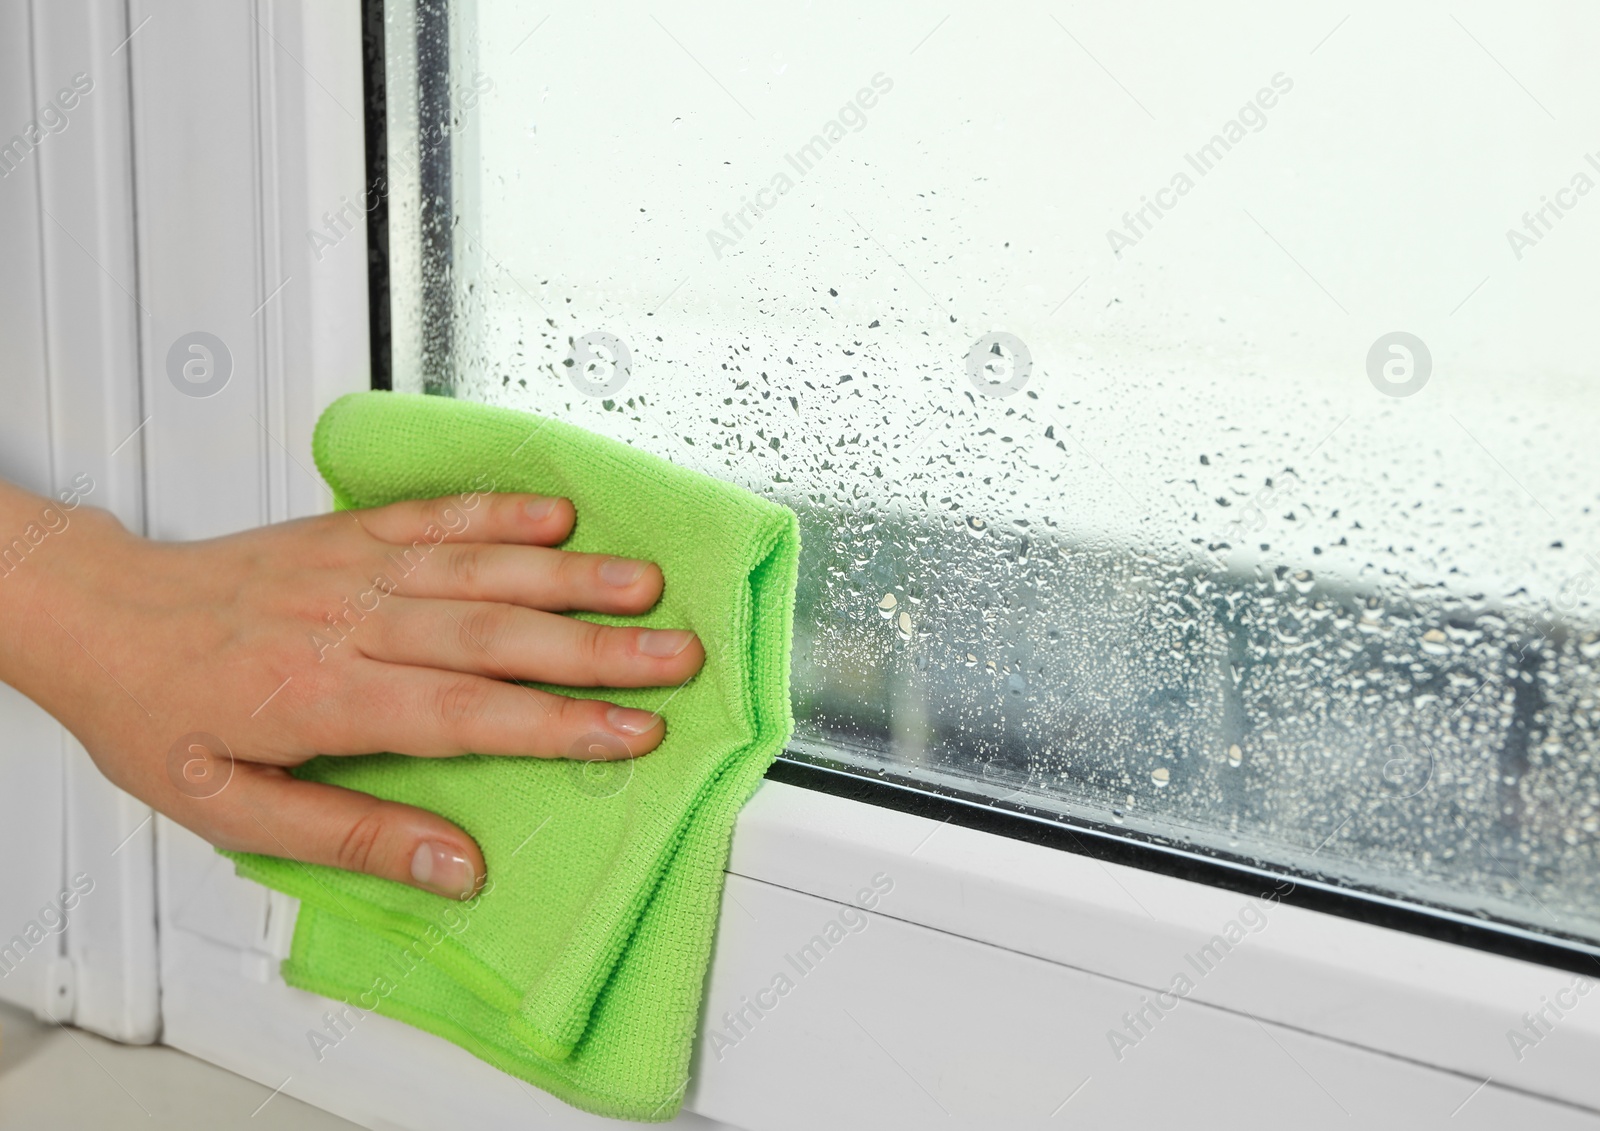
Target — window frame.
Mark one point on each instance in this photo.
(74, 196)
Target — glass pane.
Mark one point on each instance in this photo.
(1187, 410)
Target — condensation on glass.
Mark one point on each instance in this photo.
(1196, 437)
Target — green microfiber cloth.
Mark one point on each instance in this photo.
(580, 967)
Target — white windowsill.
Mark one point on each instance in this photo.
(1424, 1000)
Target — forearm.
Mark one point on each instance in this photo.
(36, 539)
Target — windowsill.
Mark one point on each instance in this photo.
(1423, 1000)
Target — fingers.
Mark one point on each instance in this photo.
(279, 815)
(509, 642)
(534, 520)
(537, 577)
(457, 547)
(429, 713)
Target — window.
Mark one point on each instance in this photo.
(1200, 453)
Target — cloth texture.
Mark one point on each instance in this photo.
(580, 966)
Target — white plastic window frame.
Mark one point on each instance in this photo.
(72, 418)
(987, 984)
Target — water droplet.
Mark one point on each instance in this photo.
(905, 625)
(1235, 755)
(1016, 684)
(887, 606)
(1160, 775)
(977, 527)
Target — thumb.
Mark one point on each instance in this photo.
(277, 815)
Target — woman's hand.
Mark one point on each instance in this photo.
(391, 629)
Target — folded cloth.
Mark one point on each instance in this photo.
(580, 966)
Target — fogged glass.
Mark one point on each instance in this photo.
(1190, 411)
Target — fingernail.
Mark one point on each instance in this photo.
(621, 571)
(664, 643)
(539, 509)
(629, 721)
(443, 870)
